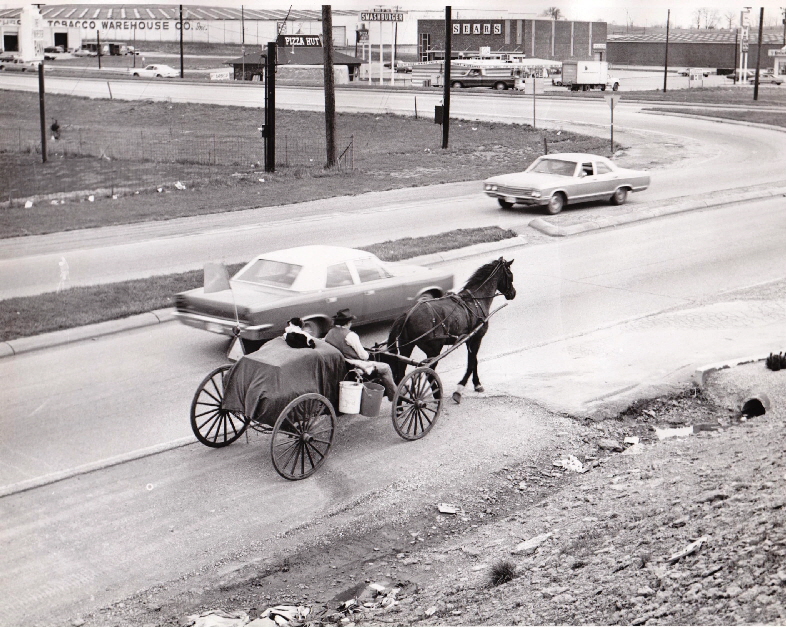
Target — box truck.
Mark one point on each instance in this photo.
(586, 75)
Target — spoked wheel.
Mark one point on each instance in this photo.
(302, 436)
(417, 403)
(212, 424)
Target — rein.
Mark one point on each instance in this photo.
(458, 299)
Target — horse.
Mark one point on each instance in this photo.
(433, 323)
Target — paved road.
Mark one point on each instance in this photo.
(595, 316)
(714, 157)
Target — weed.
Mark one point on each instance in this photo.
(502, 572)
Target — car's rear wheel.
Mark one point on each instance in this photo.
(603, 88)
(159, 76)
(314, 328)
(136, 74)
(556, 203)
(504, 203)
(457, 85)
(616, 87)
(620, 196)
(500, 86)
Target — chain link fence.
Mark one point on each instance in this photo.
(82, 160)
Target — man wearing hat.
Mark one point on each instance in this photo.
(348, 343)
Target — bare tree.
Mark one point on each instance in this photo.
(698, 15)
(555, 13)
(711, 19)
(729, 18)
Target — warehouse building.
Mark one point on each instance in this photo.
(540, 38)
(706, 49)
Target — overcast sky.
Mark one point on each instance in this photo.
(638, 12)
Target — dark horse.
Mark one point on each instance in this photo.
(431, 324)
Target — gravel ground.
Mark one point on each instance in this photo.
(601, 546)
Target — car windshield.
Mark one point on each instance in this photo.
(268, 272)
(554, 166)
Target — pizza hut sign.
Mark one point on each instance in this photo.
(477, 28)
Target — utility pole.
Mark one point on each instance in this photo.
(98, 47)
(758, 53)
(181, 41)
(270, 107)
(784, 25)
(243, 41)
(736, 49)
(666, 61)
(42, 110)
(330, 88)
(446, 88)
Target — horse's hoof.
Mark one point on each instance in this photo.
(479, 388)
(456, 397)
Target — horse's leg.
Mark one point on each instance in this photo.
(473, 345)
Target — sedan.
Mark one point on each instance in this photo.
(17, 65)
(155, 71)
(309, 282)
(553, 181)
(768, 79)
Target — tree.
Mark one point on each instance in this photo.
(729, 18)
(553, 12)
(711, 19)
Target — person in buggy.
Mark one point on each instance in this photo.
(348, 343)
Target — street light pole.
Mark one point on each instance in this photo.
(666, 61)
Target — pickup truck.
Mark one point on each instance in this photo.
(481, 77)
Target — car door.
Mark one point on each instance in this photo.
(341, 290)
(383, 294)
(607, 178)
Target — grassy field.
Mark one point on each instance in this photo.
(390, 152)
(33, 315)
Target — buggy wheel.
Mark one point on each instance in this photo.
(417, 403)
(302, 436)
(212, 424)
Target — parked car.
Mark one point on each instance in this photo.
(768, 79)
(54, 49)
(155, 71)
(85, 52)
(688, 72)
(553, 181)
(18, 65)
(312, 283)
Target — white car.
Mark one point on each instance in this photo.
(84, 52)
(155, 71)
(556, 180)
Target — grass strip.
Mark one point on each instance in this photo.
(772, 118)
(78, 306)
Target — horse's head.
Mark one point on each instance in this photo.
(505, 279)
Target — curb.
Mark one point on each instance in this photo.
(24, 486)
(88, 332)
(701, 374)
(542, 225)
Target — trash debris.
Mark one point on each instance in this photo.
(571, 462)
(261, 180)
(431, 611)
(287, 615)
(636, 449)
(688, 550)
(679, 432)
(179, 186)
(631, 439)
(530, 546)
(91, 198)
(218, 618)
(114, 196)
(28, 204)
(159, 189)
(54, 202)
(445, 508)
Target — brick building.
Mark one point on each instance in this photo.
(543, 39)
(708, 48)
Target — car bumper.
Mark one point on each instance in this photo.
(520, 200)
(226, 327)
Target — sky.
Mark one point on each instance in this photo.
(637, 12)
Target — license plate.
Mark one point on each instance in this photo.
(214, 328)
(510, 199)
